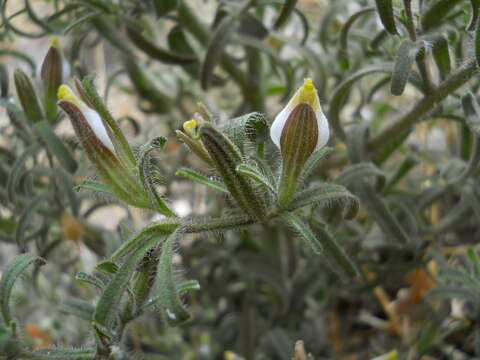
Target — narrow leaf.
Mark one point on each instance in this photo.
(155, 52)
(287, 9)
(163, 7)
(434, 15)
(441, 55)
(12, 271)
(90, 279)
(60, 354)
(195, 176)
(326, 195)
(78, 308)
(406, 54)
(108, 307)
(92, 185)
(471, 110)
(216, 48)
(56, 146)
(26, 217)
(137, 242)
(344, 32)
(312, 162)
(107, 267)
(474, 259)
(175, 311)
(387, 17)
(255, 175)
(475, 6)
(359, 172)
(337, 99)
(403, 169)
(305, 231)
(334, 252)
(477, 43)
(381, 214)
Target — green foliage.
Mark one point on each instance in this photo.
(389, 209)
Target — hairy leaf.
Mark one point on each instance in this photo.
(12, 271)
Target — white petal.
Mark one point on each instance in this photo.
(278, 124)
(306, 93)
(97, 126)
(65, 70)
(323, 130)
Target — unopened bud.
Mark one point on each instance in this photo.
(191, 138)
(298, 130)
(90, 115)
(98, 146)
(226, 157)
(27, 96)
(54, 71)
(190, 128)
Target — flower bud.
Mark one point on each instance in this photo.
(298, 131)
(226, 157)
(191, 138)
(98, 146)
(91, 116)
(54, 71)
(27, 96)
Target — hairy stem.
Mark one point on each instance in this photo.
(458, 78)
(397, 127)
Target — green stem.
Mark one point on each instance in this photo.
(219, 224)
(397, 127)
(146, 277)
(420, 60)
(458, 78)
(287, 187)
(410, 25)
(261, 150)
(256, 95)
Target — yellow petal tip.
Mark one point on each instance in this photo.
(308, 94)
(65, 93)
(54, 42)
(190, 127)
(308, 85)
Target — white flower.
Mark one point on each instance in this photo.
(92, 117)
(307, 93)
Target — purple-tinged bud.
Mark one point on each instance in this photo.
(98, 147)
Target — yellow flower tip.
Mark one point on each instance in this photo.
(308, 94)
(392, 355)
(65, 93)
(229, 355)
(308, 85)
(54, 42)
(190, 127)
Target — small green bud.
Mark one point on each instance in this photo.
(190, 137)
(53, 73)
(27, 96)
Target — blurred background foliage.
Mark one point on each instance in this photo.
(397, 81)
